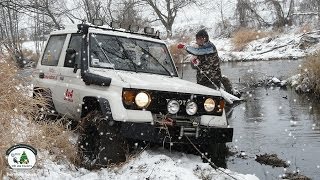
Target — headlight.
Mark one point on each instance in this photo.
(209, 105)
(173, 107)
(142, 100)
(191, 108)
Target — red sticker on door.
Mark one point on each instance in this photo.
(68, 95)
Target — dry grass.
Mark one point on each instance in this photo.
(54, 137)
(243, 36)
(311, 69)
(177, 54)
(17, 125)
(305, 28)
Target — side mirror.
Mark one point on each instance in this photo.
(70, 51)
(70, 60)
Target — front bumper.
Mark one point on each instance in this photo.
(176, 134)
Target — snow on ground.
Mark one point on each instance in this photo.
(150, 164)
(284, 46)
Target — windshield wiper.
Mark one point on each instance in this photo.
(103, 51)
(127, 55)
(149, 54)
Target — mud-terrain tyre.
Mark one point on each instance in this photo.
(100, 142)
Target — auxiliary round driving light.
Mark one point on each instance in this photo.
(191, 108)
(173, 106)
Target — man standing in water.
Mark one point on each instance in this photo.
(207, 61)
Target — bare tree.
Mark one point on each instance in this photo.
(166, 11)
(247, 14)
(9, 29)
(129, 13)
(93, 9)
(282, 18)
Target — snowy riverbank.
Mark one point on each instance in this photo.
(150, 164)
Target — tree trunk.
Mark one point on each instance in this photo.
(281, 20)
(318, 9)
(242, 13)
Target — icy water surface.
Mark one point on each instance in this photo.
(272, 120)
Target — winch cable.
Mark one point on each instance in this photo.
(211, 163)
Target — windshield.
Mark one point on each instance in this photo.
(120, 53)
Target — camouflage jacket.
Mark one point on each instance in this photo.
(208, 70)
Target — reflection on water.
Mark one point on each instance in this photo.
(272, 121)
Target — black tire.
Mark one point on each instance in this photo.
(100, 142)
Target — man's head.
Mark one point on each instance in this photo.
(202, 37)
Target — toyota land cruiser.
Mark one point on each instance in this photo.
(123, 85)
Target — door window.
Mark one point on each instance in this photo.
(75, 44)
(53, 50)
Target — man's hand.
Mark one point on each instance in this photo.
(195, 62)
(181, 46)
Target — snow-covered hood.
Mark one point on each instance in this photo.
(155, 82)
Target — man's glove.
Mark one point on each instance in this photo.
(180, 46)
(195, 62)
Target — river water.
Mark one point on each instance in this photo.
(271, 120)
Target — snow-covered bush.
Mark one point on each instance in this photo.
(308, 81)
(311, 73)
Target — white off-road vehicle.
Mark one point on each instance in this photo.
(123, 85)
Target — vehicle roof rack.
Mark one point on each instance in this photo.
(85, 27)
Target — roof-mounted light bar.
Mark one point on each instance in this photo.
(115, 25)
(133, 28)
(148, 30)
(97, 22)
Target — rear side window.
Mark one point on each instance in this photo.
(53, 50)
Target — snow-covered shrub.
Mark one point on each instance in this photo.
(311, 73)
(308, 81)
